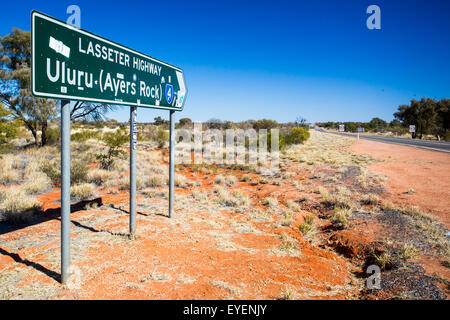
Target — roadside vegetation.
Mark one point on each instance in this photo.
(430, 117)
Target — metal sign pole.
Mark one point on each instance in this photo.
(171, 161)
(65, 190)
(133, 147)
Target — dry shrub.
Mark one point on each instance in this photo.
(234, 199)
(270, 202)
(307, 227)
(160, 169)
(157, 180)
(228, 180)
(99, 176)
(36, 183)
(294, 206)
(287, 218)
(199, 196)
(8, 173)
(408, 252)
(338, 200)
(340, 217)
(82, 191)
(124, 182)
(179, 180)
(18, 207)
(370, 199)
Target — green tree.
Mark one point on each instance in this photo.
(160, 121)
(377, 123)
(185, 122)
(423, 114)
(214, 123)
(265, 124)
(15, 94)
(443, 122)
(301, 122)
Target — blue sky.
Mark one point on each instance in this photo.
(277, 59)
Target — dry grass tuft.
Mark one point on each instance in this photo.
(124, 182)
(270, 202)
(17, 207)
(287, 218)
(82, 191)
(179, 180)
(157, 180)
(99, 176)
(8, 171)
(36, 183)
(294, 206)
(408, 252)
(307, 227)
(340, 217)
(370, 199)
(287, 293)
(234, 199)
(228, 180)
(383, 260)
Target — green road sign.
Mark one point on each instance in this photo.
(72, 64)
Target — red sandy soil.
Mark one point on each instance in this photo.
(428, 173)
(194, 255)
(218, 254)
(425, 171)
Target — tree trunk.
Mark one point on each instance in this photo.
(44, 138)
(35, 136)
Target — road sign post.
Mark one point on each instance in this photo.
(69, 63)
(65, 190)
(359, 130)
(171, 162)
(133, 147)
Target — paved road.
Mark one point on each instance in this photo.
(431, 145)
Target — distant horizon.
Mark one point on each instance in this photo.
(314, 59)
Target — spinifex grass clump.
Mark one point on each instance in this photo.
(307, 227)
(78, 171)
(82, 191)
(17, 207)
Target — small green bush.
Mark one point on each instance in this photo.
(85, 135)
(297, 135)
(8, 129)
(307, 226)
(78, 171)
(53, 135)
(113, 140)
(281, 142)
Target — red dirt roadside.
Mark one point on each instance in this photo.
(426, 172)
